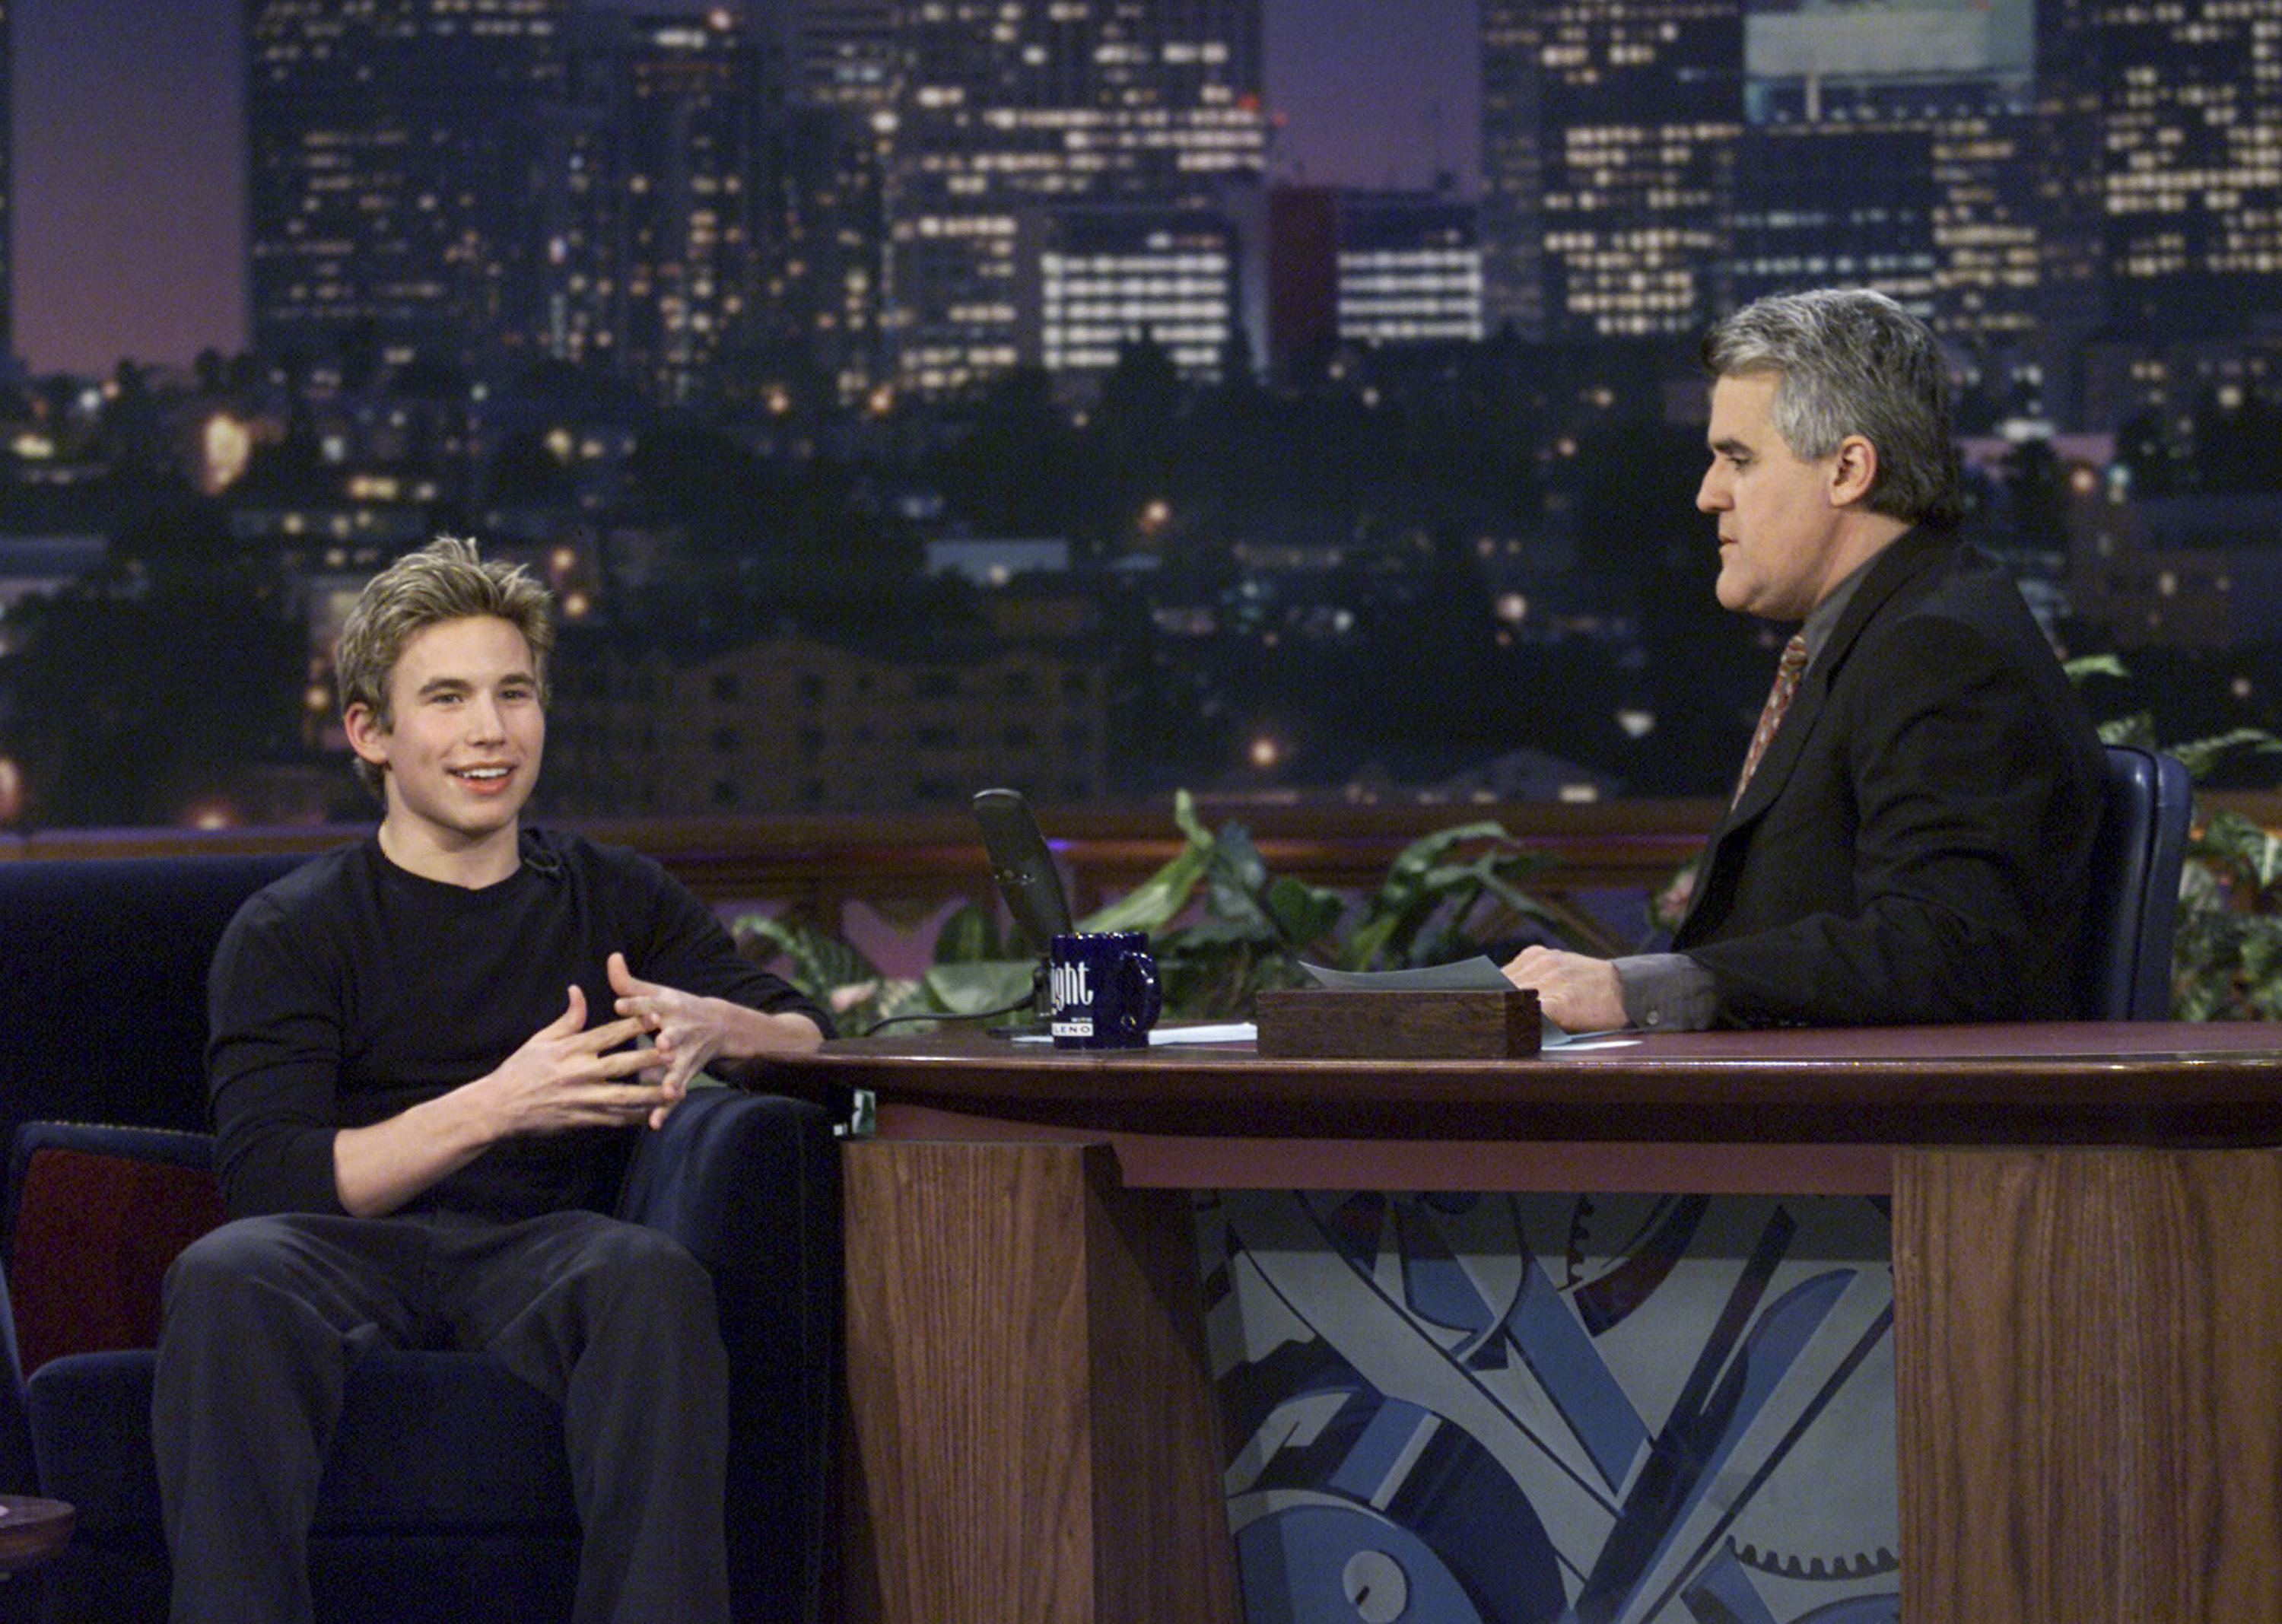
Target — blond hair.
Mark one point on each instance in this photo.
(442, 581)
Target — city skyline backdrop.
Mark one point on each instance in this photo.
(884, 345)
(128, 186)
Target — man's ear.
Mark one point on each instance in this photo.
(1853, 471)
(367, 735)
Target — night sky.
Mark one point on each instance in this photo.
(128, 194)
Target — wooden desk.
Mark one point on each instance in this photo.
(2088, 1335)
(32, 1531)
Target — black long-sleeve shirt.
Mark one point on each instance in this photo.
(352, 989)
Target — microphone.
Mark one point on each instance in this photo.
(1023, 866)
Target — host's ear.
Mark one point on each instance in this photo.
(366, 736)
(1853, 471)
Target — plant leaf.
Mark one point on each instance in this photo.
(1303, 913)
(968, 935)
(819, 962)
(1158, 900)
(2199, 756)
(975, 987)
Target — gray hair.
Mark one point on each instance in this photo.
(1849, 360)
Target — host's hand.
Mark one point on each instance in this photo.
(1576, 992)
(691, 1031)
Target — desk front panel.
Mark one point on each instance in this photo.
(2078, 1374)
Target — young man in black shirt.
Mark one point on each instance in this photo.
(431, 1052)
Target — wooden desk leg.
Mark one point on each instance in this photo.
(1035, 1435)
(2088, 1349)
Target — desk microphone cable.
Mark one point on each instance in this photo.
(948, 1014)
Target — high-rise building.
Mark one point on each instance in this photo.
(842, 67)
(2188, 201)
(1370, 268)
(1609, 131)
(390, 157)
(1302, 269)
(1109, 277)
(1410, 270)
(1513, 292)
(1649, 164)
(842, 53)
(1011, 111)
(487, 182)
(1900, 148)
(668, 177)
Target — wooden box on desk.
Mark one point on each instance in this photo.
(1412, 1023)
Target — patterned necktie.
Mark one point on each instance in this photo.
(1779, 697)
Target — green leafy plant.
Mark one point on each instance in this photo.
(1222, 927)
(974, 974)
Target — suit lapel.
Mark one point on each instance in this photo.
(1902, 561)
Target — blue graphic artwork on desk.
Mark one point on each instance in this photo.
(1538, 1409)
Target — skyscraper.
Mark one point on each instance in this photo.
(2026, 173)
(389, 156)
(1302, 259)
(842, 75)
(1109, 277)
(1900, 147)
(1012, 110)
(2189, 99)
(1648, 163)
(1610, 132)
(1410, 270)
(843, 53)
(1513, 292)
(675, 238)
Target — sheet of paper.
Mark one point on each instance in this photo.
(1224, 1031)
(1476, 974)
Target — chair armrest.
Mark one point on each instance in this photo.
(168, 1146)
(749, 1183)
(94, 1214)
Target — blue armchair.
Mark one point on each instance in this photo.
(445, 1494)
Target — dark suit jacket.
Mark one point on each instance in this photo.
(1914, 844)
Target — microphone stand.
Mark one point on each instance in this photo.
(1041, 1008)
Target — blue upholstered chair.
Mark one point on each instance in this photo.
(446, 1495)
(2134, 886)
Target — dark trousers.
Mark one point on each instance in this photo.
(615, 1321)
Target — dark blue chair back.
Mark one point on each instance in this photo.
(2134, 903)
(103, 983)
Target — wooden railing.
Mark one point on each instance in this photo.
(903, 863)
(900, 859)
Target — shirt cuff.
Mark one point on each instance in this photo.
(1666, 992)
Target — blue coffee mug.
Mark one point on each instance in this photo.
(1102, 990)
